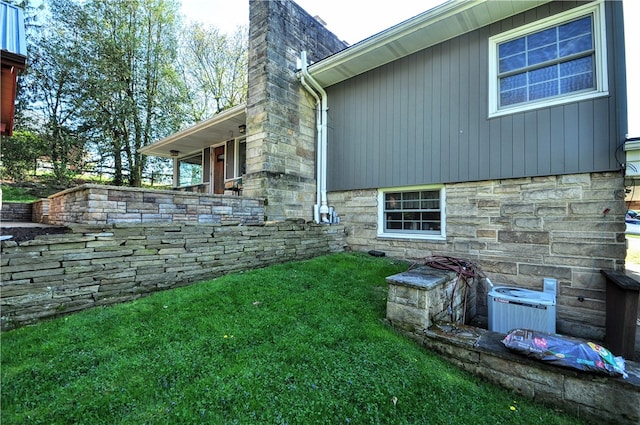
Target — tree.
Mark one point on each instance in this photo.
(129, 78)
(52, 85)
(20, 153)
(111, 76)
(215, 68)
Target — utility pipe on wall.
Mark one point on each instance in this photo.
(316, 90)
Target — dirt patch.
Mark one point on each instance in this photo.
(20, 234)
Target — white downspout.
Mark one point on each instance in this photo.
(316, 210)
(322, 135)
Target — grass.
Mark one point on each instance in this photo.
(16, 194)
(44, 185)
(297, 343)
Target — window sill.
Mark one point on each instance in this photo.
(548, 104)
(415, 237)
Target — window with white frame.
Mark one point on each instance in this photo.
(236, 159)
(190, 170)
(411, 212)
(556, 60)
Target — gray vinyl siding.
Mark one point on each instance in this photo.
(424, 119)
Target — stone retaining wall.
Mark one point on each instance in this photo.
(98, 204)
(40, 211)
(520, 230)
(100, 265)
(596, 398)
(16, 211)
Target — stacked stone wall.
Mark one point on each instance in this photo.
(101, 265)
(423, 296)
(16, 211)
(281, 125)
(520, 230)
(97, 204)
(598, 399)
(40, 211)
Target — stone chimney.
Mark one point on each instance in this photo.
(281, 131)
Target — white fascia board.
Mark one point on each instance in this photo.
(444, 22)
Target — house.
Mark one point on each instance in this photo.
(13, 59)
(488, 130)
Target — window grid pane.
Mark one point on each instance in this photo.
(412, 212)
(569, 45)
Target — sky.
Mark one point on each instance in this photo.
(355, 20)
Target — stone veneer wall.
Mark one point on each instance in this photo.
(98, 204)
(281, 130)
(519, 231)
(100, 265)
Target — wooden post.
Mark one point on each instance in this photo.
(621, 313)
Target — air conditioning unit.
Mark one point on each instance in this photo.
(511, 308)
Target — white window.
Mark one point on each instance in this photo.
(411, 212)
(190, 170)
(236, 155)
(556, 60)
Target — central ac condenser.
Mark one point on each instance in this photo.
(511, 308)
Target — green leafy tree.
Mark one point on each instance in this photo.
(20, 154)
(129, 78)
(214, 66)
(53, 88)
(107, 77)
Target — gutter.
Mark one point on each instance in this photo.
(316, 90)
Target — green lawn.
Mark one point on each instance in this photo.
(16, 194)
(298, 343)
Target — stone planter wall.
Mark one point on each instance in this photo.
(423, 296)
(100, 265)
(40, 211)
(595, 398)
(98, 204)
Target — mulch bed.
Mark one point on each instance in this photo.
(20, 234)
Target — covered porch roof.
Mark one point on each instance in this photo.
(220, 128)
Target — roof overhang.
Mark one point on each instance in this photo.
(444, 22)
(220, 128)
(12, 60)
